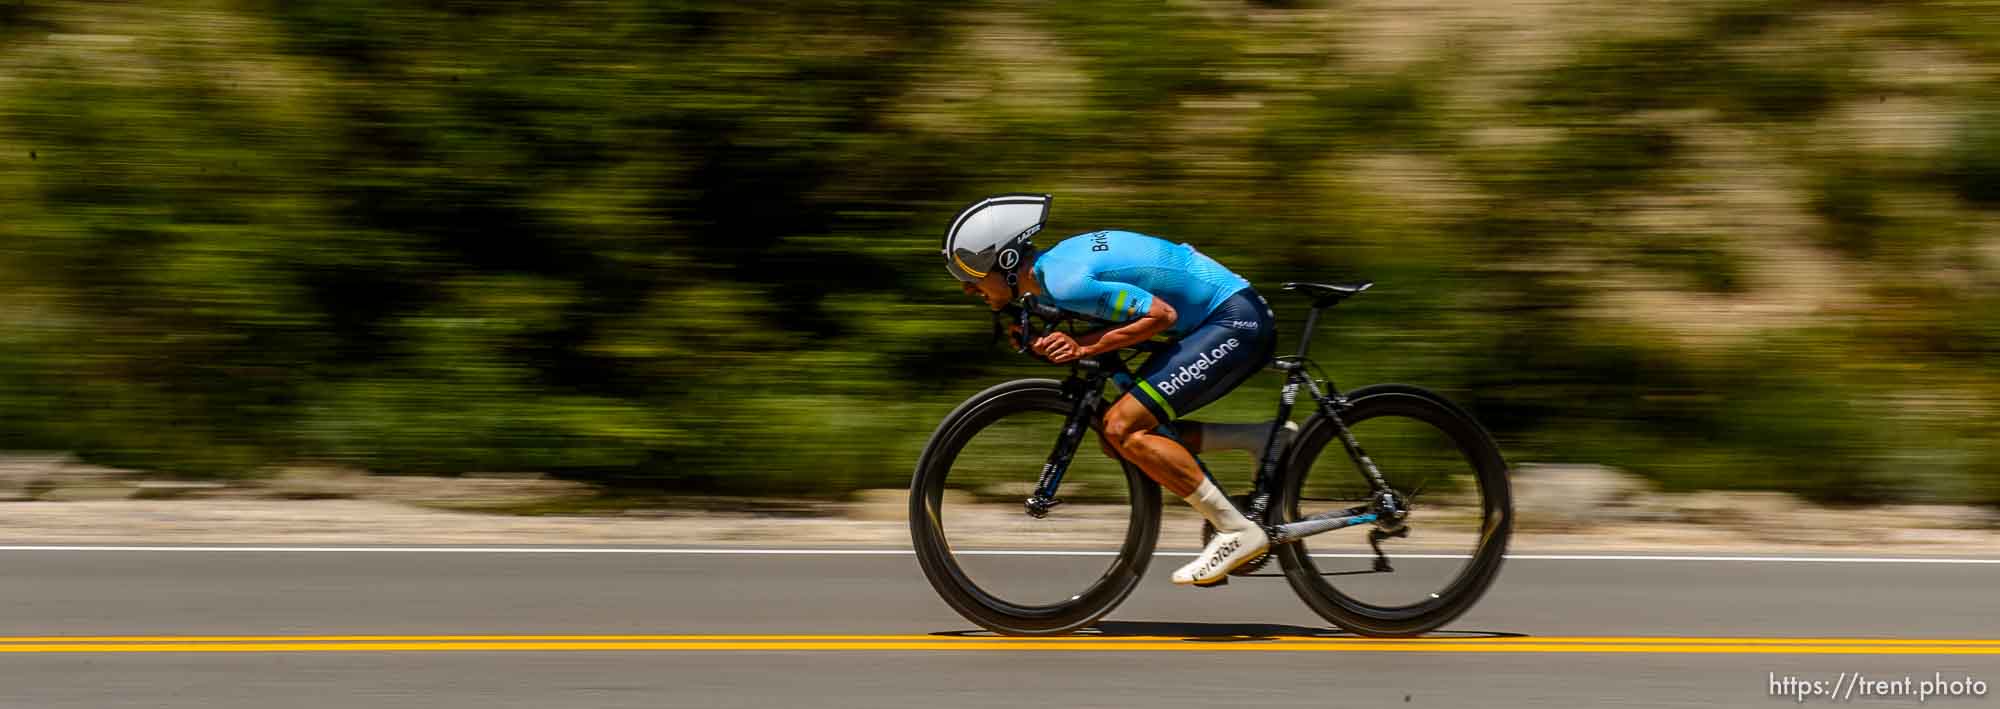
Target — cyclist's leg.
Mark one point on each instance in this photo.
(1189, 374)
(1130, 427)
(1232, 345)
(1229, 347)
(1207, 436)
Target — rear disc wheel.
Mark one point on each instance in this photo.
(1453, 481)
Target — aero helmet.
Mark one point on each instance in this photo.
(993, 233)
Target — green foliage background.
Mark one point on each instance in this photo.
(692, 245)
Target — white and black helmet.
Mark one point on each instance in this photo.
(993, 233)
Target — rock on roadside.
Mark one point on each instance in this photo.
(1563, 497)
(61, 477)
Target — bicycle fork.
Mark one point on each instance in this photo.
(1090, 404)
(1080, 416)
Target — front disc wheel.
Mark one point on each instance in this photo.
(987, 558)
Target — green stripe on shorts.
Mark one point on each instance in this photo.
(1150, 391)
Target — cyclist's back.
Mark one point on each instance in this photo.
(1113, 274)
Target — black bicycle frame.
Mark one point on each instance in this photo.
(1085, 387)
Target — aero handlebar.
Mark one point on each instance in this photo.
(1025, 333)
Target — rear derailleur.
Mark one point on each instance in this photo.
(1389, 510)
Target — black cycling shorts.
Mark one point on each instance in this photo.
(1233, 343)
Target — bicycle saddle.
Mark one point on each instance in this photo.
(1327, 294)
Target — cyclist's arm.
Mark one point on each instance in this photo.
(1140, 314)
(1156, 320)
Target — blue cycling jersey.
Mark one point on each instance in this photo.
(1115, 275)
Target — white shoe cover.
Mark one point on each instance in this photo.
(1225, 552)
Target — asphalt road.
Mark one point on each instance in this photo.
(289, 621)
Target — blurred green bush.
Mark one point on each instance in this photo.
(690, 245)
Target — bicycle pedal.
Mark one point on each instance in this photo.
(1224, 581)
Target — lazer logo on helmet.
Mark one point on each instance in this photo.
(1197, 370)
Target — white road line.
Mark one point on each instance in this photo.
(723, 551)
(486, 550)
(1777, 559)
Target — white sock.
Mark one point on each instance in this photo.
(1233, 436)
(1214, 506)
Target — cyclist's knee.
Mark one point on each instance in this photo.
(1117, 430)
(1123, 424)
(1109, 449)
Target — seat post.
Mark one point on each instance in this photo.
(1324, 295)
(1306, 335)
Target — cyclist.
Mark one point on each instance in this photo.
(1221, 332)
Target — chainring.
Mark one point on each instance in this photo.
(1208, 532)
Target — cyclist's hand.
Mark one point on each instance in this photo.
(1059, 347)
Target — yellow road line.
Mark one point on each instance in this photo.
(930, 643)
(1081, 638)
(990, 646)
